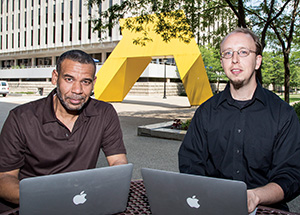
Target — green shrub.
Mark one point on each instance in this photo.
(296, 106)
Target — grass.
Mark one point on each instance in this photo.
(25, 92)
(293, 97)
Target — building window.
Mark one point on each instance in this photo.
(54, 12)
(1, 24)
(62, 11)
(62, 34)
(25, 19)
(31, 17)
(79, 30)
(89, 29)
(12, 22)
(46, 14)
(39, 19)
(80, 8)
(25, 38)
(19, 4)
(32, 3)
(71, 9)
(6, 41)
(31, 37)
(7, 23)
(25, 3)
(18, 39)
(7, 3)
(71, 32)
(53, 34)
(100, 11)
(39, 36)
(19, 21)
(12, 40)
(13, 5)
(0, 41)
(46, 35)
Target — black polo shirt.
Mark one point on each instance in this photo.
(36, 142)
(257, 142)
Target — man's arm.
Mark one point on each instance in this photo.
(9, 186)
(266, 195)
(117, 159)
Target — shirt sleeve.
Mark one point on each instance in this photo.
(285, 169)
(193, 150)
(112, 141)
(12, 146)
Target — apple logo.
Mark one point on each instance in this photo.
(193, 202)
(79, 199)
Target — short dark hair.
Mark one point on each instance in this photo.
(253, 35)
(77, 56)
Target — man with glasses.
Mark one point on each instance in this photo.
(246, 132)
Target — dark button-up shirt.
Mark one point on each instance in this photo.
(257, 143)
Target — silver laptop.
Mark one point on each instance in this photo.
(177, 193)
(94, 191)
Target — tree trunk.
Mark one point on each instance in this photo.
(287, 75)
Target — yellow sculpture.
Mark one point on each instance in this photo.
(128, 61)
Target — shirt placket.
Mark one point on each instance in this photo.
(238, 146)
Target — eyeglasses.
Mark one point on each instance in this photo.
(243, 52)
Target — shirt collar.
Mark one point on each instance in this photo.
(258, 95)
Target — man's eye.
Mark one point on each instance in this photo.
(68, 79)
(244, 52)
(228, 53)
(86, 82)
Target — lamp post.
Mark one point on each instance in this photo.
(165, 78)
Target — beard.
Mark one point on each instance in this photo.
(66, 105)
(237, 84)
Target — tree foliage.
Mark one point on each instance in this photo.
(211, 59)
(181, 19)
(275, 21)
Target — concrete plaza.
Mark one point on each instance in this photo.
(135, 111)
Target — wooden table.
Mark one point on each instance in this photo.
(138, 203)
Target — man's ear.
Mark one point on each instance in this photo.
(258, 61)
(54, 77)
(94, 81)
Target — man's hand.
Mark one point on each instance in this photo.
(118, 159)
(9, 186)
(266, 195)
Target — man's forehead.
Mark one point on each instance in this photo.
(238, 39)
(70, 68)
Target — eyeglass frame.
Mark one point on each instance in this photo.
(238, 52)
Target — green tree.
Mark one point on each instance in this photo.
(273, 70)
(211, 59)
(295, 70)
(276, 21)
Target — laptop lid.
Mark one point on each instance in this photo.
(177, 193)
(94, 191)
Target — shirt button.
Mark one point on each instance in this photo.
(238, 172)
(237, 151)
(67, 135)
(239, 130)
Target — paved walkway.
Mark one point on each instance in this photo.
(135, 111)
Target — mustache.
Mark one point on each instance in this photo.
(76, 97)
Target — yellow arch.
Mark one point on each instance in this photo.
(128, 61)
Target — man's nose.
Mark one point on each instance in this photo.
(235, 57)
(77, 87)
